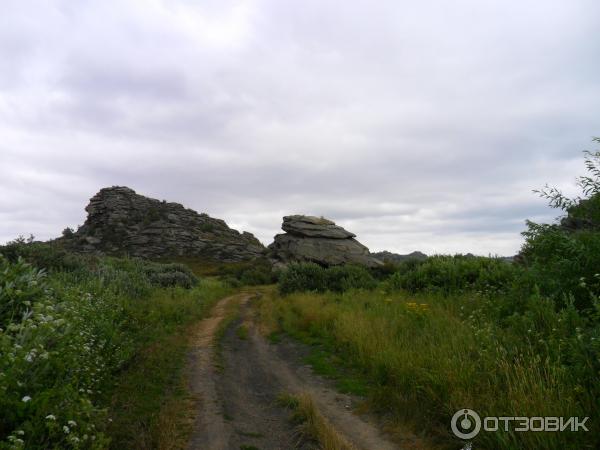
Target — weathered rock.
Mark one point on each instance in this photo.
(314, 239)
(310, 226)
(122, 222)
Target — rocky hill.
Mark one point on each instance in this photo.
(395, 257)
(122, 222)
(314, 239)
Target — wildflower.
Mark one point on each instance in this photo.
(20, 432)
(72, 423)
(26, 399)
(50, 417)
(66, 429)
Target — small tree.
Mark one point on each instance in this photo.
(564, 257)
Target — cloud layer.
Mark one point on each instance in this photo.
(417, 125)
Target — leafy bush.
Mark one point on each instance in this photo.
(66, 334)
(450, 274)
(41, 254)
(54, 359)
(563, 259)
(20, 287)
(312, 277)
(251, 273)
(344, 278)
(171, 275)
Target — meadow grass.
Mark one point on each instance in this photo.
(150, 406)
(423, 357)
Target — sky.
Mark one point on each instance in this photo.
(416, 125)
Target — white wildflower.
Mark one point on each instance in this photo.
(50, 417)
(26, 399)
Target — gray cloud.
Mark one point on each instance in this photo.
(416, 125)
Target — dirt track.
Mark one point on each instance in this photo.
(237, 402)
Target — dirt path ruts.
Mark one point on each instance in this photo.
(238, 406)
(210, 431)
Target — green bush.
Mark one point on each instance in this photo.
(251, 273)
(66, 334)
(302, 277)
(171, 275)
(563, 259)
(49, 256)
(20, 287)
(453, 274)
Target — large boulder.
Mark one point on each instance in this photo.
(122, 222)
(315, 239)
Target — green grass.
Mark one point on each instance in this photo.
(92, 350)
(150, 406)
(421, 358)
(242, 332)
(232, 315)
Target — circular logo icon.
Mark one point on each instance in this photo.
(466, 424)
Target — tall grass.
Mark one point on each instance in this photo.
(426, 356)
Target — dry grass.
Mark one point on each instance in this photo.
(312, 424)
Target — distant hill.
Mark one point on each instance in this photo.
(395, 257)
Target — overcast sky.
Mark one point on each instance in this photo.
(417, 125)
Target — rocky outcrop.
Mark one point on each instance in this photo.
(315, 239)
(122, 222)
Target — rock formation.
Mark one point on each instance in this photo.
(314, 239)
(122, 222)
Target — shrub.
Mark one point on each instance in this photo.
(344, 278)
(49, 256)
(251, 273)
(20, 287)
(302, 277)
(564, 258)
(451, 274)
(171, 275)
(312, 277)
(65, 337)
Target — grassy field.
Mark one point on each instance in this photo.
(421, 357)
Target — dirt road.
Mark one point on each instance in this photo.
(238, 390)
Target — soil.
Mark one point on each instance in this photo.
(237, 398)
